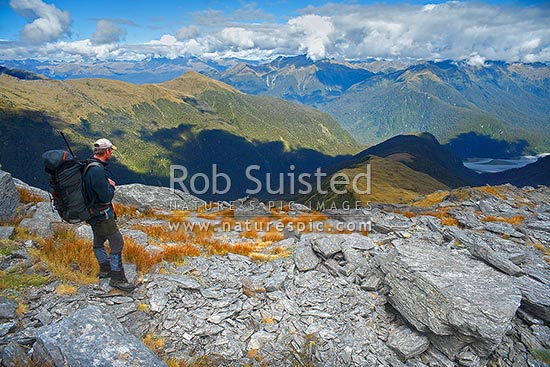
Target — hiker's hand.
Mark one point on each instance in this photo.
(111, 182)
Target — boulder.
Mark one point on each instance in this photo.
(407, 342)
(90, 337)
(251, 208)
(536, 297)
(38, 193)
(9, 197)
(327, 246)
(41, 222)
(145, 197)
(8, 309)
(6, 232)
(14, 355)
(455, 299)
(305, 258)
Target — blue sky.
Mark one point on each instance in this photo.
(131, 30)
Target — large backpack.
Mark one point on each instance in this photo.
(67, 185)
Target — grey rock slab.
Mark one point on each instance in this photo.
(535, 297)
(9, 197)
(41, 222)
(6, 232)
(372, 283)
(138, 236)
(260, 339)
(145, 197)
(181, 281)
(529, 318)
(539, 225)
(13, 355)
(407, 342)
(327, 246)
(208, 330)
(305, 258)
(503, 228)
(91, 337)
(8, 309)
(84, 231)
(450, 294)
(42, 194)
(251, 209)
(130, 271)
(484, 252)
(275, 282)
(542, 333)
(7, 327)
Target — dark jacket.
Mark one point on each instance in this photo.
(98, 190)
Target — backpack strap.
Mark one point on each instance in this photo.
(84, 172)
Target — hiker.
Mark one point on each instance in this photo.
(99, 190)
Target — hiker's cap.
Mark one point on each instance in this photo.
(103, 144)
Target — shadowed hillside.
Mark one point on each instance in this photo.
(191, 120)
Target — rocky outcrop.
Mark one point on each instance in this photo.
(90, 337)
(145, 197)
(457, 301)
(42, 221)
(413, 292)
(9, 197)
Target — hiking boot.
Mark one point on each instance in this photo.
(118, 280)
(104, 270)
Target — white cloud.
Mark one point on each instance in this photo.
(238, 37)
(313, 32)
(187, 33)
(470, 31)
(476, 60)
(107, 32)
(48, 22)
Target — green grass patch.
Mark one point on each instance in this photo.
(14, 279)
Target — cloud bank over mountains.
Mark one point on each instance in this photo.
(453, 30)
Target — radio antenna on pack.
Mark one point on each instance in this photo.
(66, 142)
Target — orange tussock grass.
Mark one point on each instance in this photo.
(516, 219)
(251, 233)
(137, 254)
(491, 190)
(216, 215)
(65, 289)
(217, 247)
(405, 213)
(273, 236)
(444, 217)
(539, 246)
(431, 199)
(21, 308)
(178, 252)
(144, 260)
(65, 252)
(126, 211)
(27, 196)
(202, 235)
(154, 342)
(227, 223)
(163, 233)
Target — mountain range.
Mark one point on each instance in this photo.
(192, 121)
(494, 109)
(450, 99)
(196, 121)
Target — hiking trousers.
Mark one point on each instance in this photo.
(107, 230)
